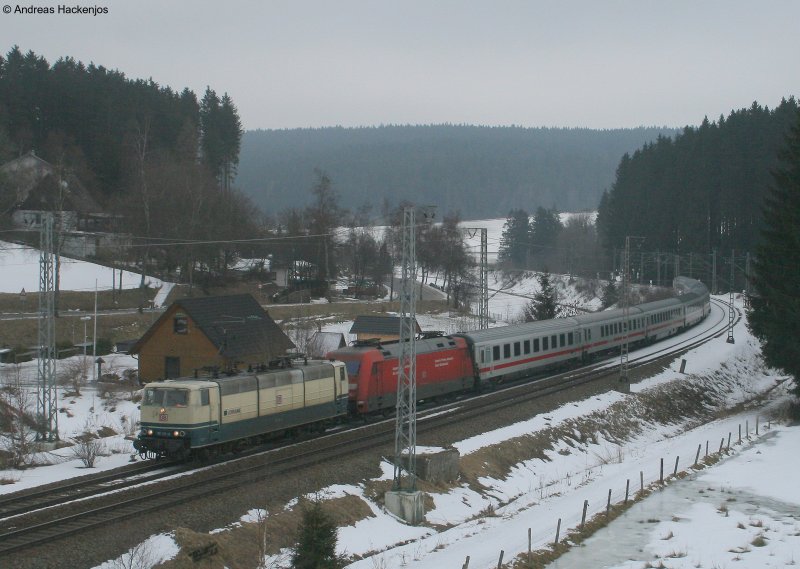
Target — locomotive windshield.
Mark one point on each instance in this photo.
(352, 366)
(166, 397)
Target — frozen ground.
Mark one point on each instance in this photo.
(19, 266)
(740, 513)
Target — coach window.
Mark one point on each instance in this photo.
(545, 346)
(506, 350)
(562, 340)
(554, 341)
(526, 347)
(516, 348)
(570, 338)
(204, 397)
(496, 352)
(536, 344)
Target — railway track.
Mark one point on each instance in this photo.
(112, 500)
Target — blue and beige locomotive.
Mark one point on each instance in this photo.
(200, 417)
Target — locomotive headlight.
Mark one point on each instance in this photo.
(175, 433)
(149, 432)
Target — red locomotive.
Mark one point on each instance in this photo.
(443, 365)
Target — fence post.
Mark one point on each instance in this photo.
(529, 544)
(747, 428)
(558, 530)
(661, 476)
(608, 504)
(704, 456)
(500, 561)
(675, 472)
(583, 516)
(466, 563)
(756, 424)
(627, 488)
(721, 444)
(641, 481)
(740, 433)
(729, 440)
(697, 456)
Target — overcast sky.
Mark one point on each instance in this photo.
(581, 63)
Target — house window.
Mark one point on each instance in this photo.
(180, 324)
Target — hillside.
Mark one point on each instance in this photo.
(479, 171)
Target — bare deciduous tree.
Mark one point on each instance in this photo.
(19, 442)
(88, 446)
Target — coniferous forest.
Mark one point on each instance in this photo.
(702, 190)
(479, 171)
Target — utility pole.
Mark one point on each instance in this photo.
(747, 277)
(624, 380)
(690, 265)
(658, 268)
(677, 265)
(47, 398)
(714, 271)
(484, 300)
(730, 339)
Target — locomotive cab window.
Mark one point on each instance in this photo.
(204, 397)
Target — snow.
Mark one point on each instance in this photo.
(20, 268)
(691, 527)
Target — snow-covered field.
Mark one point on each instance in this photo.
(741, 512)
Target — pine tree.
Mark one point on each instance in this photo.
(515, 240)
(775, 310)
(544, 305)
(610, 294)
(316, 543)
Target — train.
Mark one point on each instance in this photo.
(483, 358)
(199, 417)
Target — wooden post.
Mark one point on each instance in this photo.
(558, 530)
(747, 428)
(500, 561)
(721, 444)
(756, 424)
(627, 489)
(740, 433)
(705, 455)
(583, 517)
(661, 476)
(641, 481)
(729, 440)
(529, 544)
(675, 472)
(608, 504)
(466, 563)
(697, 456)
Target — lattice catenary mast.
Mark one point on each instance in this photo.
(47, 399)
(405, 438)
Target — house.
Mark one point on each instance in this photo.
(323, 342)
(383, 328)
(215, 332)
(39, 187)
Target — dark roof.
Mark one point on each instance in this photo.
(380, 325)
(236, 324)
